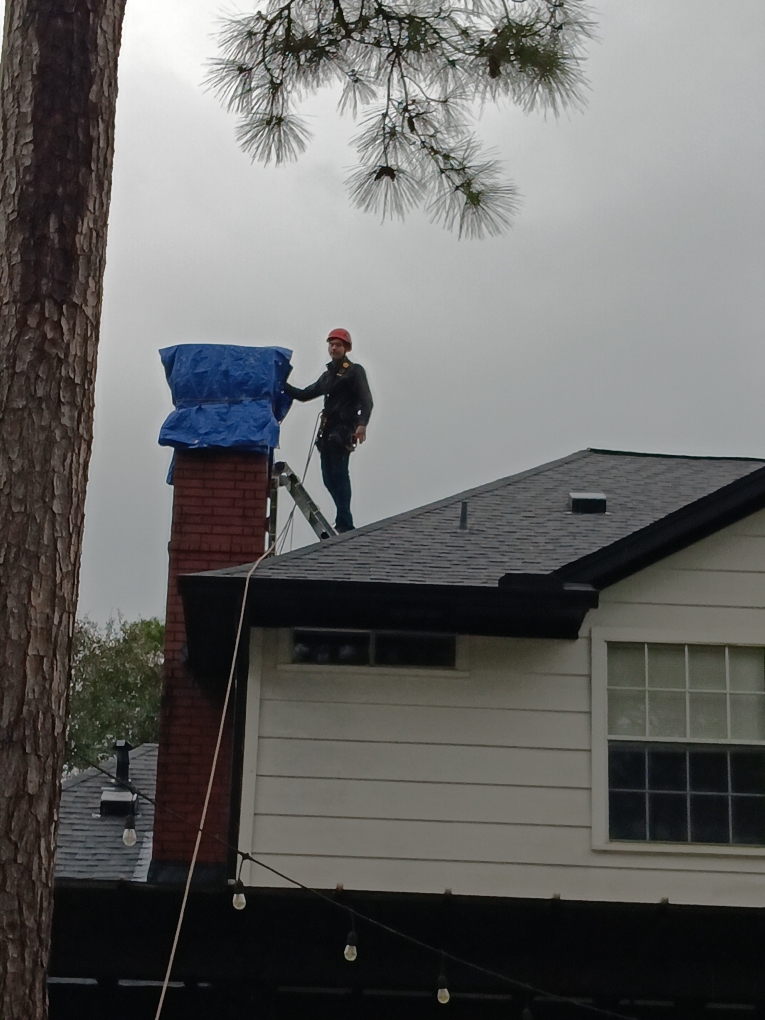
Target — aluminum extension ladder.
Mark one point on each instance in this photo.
(283, 477)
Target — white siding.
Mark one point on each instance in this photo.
(479, 779)
(422, 763)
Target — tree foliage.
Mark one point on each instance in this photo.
(114, 692)
(414, 70)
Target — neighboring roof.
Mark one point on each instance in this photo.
(517, 524)
(525, 566)
(90, 846)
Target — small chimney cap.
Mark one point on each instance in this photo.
(587, 502)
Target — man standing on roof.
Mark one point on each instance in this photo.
(344, 420)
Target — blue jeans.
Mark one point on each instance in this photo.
(337, 480)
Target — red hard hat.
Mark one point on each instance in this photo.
(341, 334)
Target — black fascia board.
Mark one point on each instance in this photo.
(669, 535)
(526, 606)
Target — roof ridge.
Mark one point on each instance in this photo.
(147, 745)
(90, 772)
(426, 508)
(674, 456)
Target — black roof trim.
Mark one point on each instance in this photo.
(526, 605)
(671, 456)
(672, 533)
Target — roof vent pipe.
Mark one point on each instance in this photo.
(463, 515)
(123, 749)
(587, 502)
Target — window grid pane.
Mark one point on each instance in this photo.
(626, 665)
(667, 666)
(746, 668)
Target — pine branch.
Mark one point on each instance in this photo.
(413, 70)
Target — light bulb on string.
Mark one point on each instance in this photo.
(527, 1014)
(239, 900)
(351, 952)
(129, 837)
(443, 990)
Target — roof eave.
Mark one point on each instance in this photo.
(536, 606)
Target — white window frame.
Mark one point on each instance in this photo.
(600, 636)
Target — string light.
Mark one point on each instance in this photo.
(443, 992)
(239, 900)
(351, 952)
(129, 837)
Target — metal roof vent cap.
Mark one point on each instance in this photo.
(587, 502)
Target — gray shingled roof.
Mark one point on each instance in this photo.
(520, 523)
(90, 846)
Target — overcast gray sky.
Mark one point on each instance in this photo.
(623, 310)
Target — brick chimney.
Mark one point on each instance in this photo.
(219, 520)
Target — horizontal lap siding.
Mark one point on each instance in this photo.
(739, 589)
(598, 881)
(423, 763)
(752, 526)
(403, 801)
(725, 551)
(421, 840)
(660, 616)
(377, 839)
(479, 779)
(528, 692)
(416, 724)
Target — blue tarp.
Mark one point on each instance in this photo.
(225, 396)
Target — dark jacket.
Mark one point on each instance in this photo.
(347, 398)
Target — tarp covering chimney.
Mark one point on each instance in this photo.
(225, 396)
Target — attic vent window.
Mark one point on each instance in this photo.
(375, 648)
(587, 502)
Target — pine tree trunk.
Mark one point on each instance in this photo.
(59, 86)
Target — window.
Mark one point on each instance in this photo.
(684, 725)
(365, 648)
(331, 648)
(681, 795)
